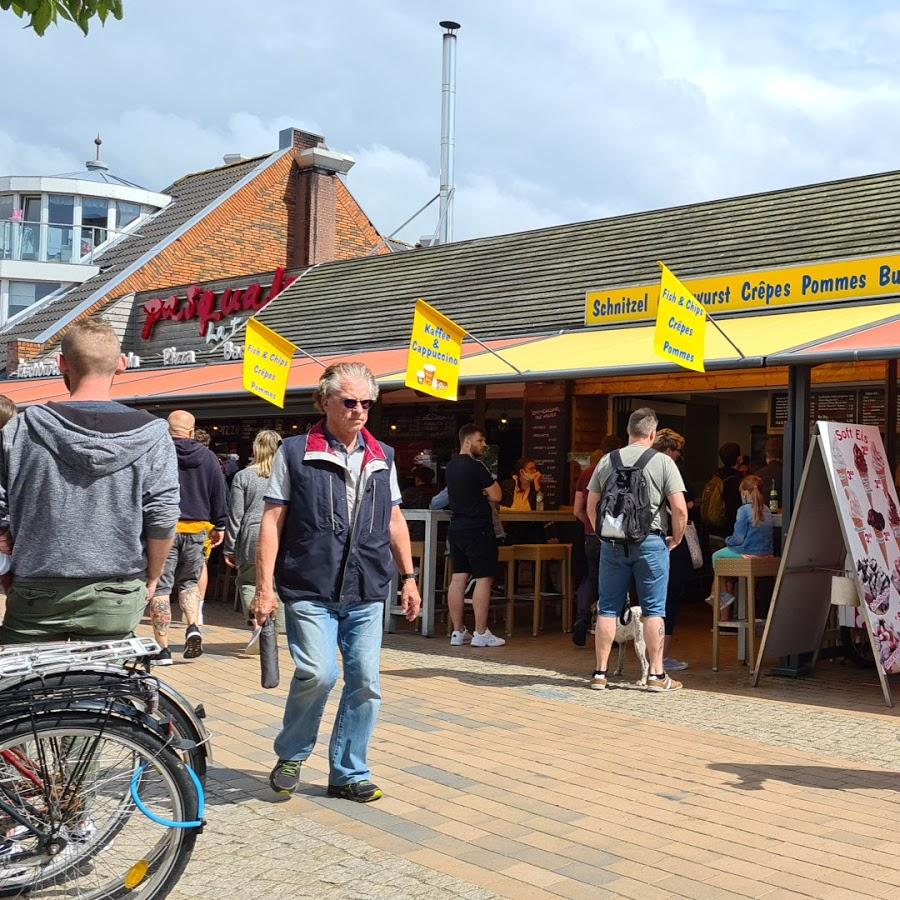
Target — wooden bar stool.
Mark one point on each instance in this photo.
(750, 568)
(540, 554)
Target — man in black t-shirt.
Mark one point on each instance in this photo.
(473, 547)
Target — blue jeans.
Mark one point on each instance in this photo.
(316, 629)
(647, 562)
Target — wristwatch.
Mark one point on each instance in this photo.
(407, 575)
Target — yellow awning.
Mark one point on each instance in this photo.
(604, 351)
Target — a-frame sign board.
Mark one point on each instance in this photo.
(846, 508)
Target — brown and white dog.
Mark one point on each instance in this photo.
(632, 630)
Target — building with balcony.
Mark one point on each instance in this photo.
(258, 221)
(55, 229)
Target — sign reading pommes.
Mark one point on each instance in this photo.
(843, 280)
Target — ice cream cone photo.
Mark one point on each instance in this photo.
(862, 466)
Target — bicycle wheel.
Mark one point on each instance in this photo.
(857, 647)
(168, 706)
(71, 825)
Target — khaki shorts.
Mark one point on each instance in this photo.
(60, 609)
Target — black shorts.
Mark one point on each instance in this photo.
(474, 551)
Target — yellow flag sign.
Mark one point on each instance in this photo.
(680, 324)
(267, 362)
(435, 348)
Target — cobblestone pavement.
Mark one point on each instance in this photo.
(504, 776)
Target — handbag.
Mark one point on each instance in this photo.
(692, 540)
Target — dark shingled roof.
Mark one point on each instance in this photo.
(189, 196)
(535, 281)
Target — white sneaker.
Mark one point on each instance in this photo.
(486, 639)
(458, 638)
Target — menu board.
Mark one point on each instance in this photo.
(867, 407)
(834, 406)
(545, 441)
(872, 408)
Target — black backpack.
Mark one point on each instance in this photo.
(624, 514)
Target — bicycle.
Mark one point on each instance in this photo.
(96, 800)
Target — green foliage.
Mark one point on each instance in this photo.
(43, 13)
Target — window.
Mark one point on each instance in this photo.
(7, 227)
(60, 231)
(94, 212)
(23, 294)
(126, 213)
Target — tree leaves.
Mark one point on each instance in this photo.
(42, 13)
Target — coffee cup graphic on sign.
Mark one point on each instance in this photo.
(430, 375)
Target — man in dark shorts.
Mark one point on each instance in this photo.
(473, 546)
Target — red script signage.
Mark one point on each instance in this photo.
(210, 307)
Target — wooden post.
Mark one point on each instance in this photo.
(480, 404)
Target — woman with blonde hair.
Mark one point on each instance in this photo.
(245, 514)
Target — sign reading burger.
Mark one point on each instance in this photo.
(435, 348)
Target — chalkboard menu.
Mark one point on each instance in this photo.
(545, 441)
(872, 410)
(834, 406)
(863, 407)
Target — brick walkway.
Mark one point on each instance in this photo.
(505, 776)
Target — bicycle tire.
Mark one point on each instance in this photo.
(78, 872)
(196, 757)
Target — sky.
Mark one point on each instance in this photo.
(566, 110)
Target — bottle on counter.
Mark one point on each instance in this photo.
(539, 502)
(774, 501)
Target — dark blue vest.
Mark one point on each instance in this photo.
(320, 556)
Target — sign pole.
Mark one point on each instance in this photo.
(495, 353)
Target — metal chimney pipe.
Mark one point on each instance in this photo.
(448, 132)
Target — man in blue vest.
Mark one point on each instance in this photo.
(331, 525)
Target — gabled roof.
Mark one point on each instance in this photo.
(535, 282)
(191, 195)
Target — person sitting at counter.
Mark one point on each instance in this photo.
(753, 533)
(522, 493)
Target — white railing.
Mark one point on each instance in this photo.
(53, 242)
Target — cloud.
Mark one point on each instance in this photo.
(565, 111)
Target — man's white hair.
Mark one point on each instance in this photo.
(333, 376)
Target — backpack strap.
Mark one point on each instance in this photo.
(615, 459)
(644, 458)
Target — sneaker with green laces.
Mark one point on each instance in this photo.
(285, 777)
(359, 791)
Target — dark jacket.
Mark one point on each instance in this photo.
(203, 492)
(731, 493)
(318, 556)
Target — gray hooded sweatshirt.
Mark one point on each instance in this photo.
(82, 485)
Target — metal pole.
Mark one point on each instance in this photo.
(448, 131)
(796, 434)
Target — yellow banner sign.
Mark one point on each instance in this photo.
(680, 335)
(842, 281)
(435, 348)
(267, 362)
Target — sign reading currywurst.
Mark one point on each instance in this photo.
(843, 280)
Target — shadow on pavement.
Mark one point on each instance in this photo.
(484, 679)
(753, 777)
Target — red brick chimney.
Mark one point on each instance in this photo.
(315, 216)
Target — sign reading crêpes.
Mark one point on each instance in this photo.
(435, 348)
(267, 362)
(842, 280)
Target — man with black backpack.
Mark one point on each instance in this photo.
(627, 499)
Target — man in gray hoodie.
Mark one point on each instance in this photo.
(88, 502)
